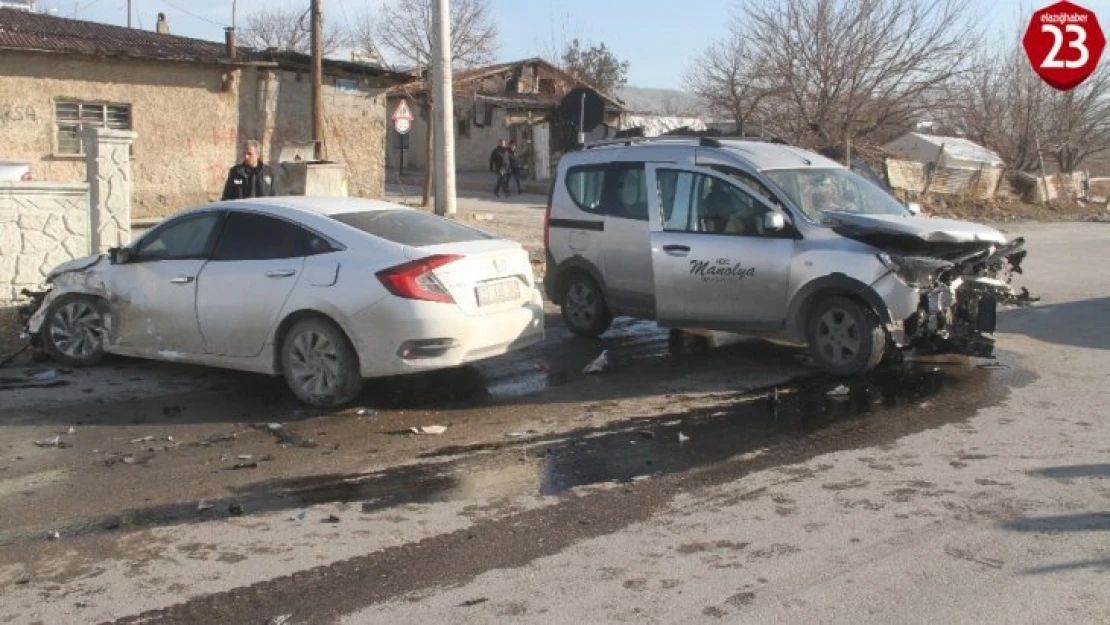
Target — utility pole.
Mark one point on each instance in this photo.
(232, 13)
(444, 110)
(129, 13)
(317, 81)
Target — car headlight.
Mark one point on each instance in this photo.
(914, 270)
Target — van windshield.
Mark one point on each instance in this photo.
(818, 192)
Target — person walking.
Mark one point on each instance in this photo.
(499, 164)
(516, 167)
(250, 178)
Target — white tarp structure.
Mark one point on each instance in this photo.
(943, 152)
(655, 125)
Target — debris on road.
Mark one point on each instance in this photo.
(599, 364)
(839, 393)
(203, 506)
(243, 457)
(235, 509)
(71, 430)
(45, 376)
(520, 433)
(144, 439)
(365, 412)
(219, 437)
(244, 465)
(51, 442)
(647, 434)
(333, 519)
(429, 429)
(286, 436)
(470, 603)
(279, 620)
(55, 535)
(682, 438)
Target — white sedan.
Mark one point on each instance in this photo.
(325, 291)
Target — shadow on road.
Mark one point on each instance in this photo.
(1073, 471)
(1083, 323)
(1101, 565)
(1083, 522)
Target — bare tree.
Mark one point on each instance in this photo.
(844, 70)
(404, 28)
(288, 29)
(1002, 104)
(595, 65)
(732, 81)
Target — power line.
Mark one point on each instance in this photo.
(191, 14)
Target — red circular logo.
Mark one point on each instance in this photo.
(1064, 43)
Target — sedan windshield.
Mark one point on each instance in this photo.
(820, 191)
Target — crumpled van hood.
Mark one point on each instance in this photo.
(924, 228)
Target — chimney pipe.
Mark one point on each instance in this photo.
(163, 27)
(229, 38)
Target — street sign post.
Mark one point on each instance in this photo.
(1064, 42)
(402, 123)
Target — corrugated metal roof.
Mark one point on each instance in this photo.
(20, 30)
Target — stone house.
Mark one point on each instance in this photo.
(191, 104)
(517, 101)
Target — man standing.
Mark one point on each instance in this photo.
(499, 164)
(251, 178)
(516, 166)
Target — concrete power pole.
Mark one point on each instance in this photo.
(317, 81)
(444, 110)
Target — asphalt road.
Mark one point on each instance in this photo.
(680, 486)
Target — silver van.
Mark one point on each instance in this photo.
(767, 239)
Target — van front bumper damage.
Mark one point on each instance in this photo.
(948, 303)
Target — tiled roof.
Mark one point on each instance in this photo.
(21, 30)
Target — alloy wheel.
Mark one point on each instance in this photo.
(314, 363)
(838, 337)
(77, 329)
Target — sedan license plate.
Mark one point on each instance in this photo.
(498, 292)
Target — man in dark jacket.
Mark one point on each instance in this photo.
(251, 178)
(516, 167)
(499, 164)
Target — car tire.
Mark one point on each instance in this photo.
(583, 306)
(845, 338)
(75, 329)
(319, 363)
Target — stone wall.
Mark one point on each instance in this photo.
(42, 224)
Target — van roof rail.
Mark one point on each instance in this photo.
(705, 142)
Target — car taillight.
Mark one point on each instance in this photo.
(415, 280)
(26, 177)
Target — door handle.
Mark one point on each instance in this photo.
(284, 273)
(182, 279)
(677, 250)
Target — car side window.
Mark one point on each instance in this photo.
(586, 185)
(250, 236)
(752, 182)
(185, 238)
(692, 202)
(628, 194)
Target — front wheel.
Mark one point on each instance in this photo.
(583, 306)
(319, 364)
(844, 337)
(74, 330)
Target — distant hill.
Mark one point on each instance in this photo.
(660, 101)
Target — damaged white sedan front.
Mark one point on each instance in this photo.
(324, 291)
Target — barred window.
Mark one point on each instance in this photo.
(70, 117)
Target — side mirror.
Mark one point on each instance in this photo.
(119, 255)
(914, 208)
(773, 222)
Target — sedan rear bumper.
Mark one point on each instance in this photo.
(385, 333)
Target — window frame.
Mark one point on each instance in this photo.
(136, 255)
(611, 194)
(788, 232)
(600, 209)
(79, 123)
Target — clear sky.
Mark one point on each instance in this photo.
(658, 37)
